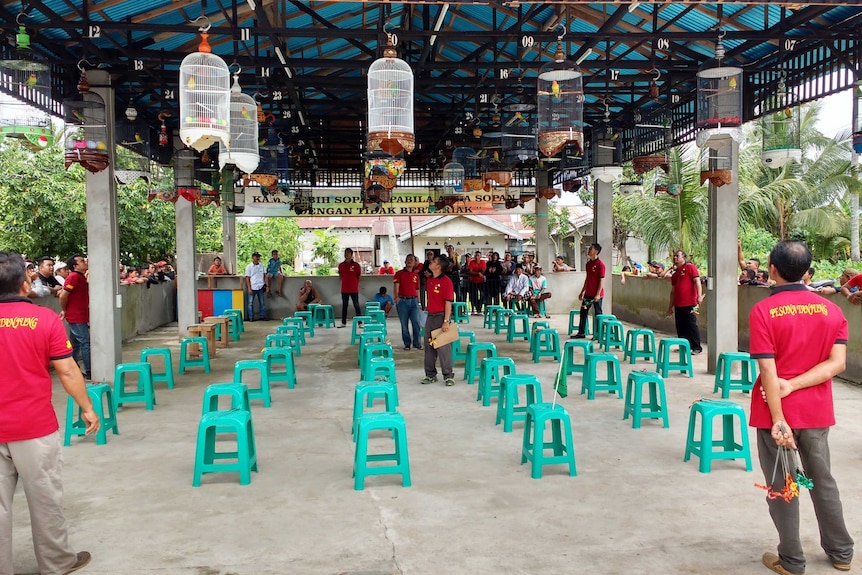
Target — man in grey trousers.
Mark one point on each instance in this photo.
(440, 294)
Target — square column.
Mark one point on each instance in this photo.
(603, 232)
(187, 293)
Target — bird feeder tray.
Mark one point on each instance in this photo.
(393, 143)
(474, 185)
(548, 193)
(385, 181)
(35, 138)
(500, 178)
(265, 180)
(643, 164)
(552, 143)
(717, 178)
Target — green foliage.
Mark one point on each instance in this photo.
(756, 243)
(560, 226)
(208, 229)
(325, 247)
(323, 270)
(263, 236)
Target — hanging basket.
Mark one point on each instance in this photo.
(552, 143)
(643, 164)
(717, 178)
(474, 185)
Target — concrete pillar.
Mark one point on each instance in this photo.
(228, 234)
(187, 297)
(721, 292)
(603, 232)
(103, 251)
(543, 241)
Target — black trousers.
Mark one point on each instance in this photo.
(492, 291)
(345, 297)
(686, 326)
(586, 304)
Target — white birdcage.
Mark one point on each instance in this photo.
(204, 99)
(390, 103)
(719, 100)
(560, 103)
(453, 176)
(28, 80)
(243, 150)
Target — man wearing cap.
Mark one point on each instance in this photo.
(61, 271)
(656, 270)
(386, 269)
(254, 280)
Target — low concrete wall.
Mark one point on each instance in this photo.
(645, 301)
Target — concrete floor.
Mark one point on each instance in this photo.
(634, 506)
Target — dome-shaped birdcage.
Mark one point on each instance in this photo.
(390, 103)
(466, 156)
(27, 79)
(453, 176)
(204, 99)
(560, 103)
(781, 129)
(719, 100)
(86, 133)
(243, 151)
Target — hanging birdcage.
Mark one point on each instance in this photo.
(205, 96)
(716, 166)
(132, 138)
(560, 103)
(466, 156)
(519, 137)
(274, 167)
(652, 140)
(781, 129)
(27, 79)
(453, 176)
(719, 100)
(390, 103)
(605, 152)
(86, 133)
(242, 151)
(184, 175)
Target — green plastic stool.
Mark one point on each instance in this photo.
(599, 326)
(144, 392)
(591, 383)
(472, 363)
(186, 361)
(356, 327)
(459, 350)
(547, 344)
(365, 340)
(508, 408)
(305, 316)
(369, 352)
(238, 314)
(298, 325)
(655, 408)
(324, 316)
(378, 316)
(165, 353)
(294, 336)
(665, 363)
(612, 335)
(574, 322)
(646, 350)
(236, 392)
(371, 306)
(381, 367)
(459, 312)
(277, 357)
(724, 379)
(502, 320)
(208, 460)
(490, 315)
(534, 444)
(708, 448)
(491, 372)
(376, 328)
(102, 398)
(519, 326)
(369, 422)
(279, 340)
(261, 366)
(364, 395)
(570, 363)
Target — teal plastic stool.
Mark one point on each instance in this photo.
(187, 362)
(208, 460)
(502, 320)
(371, 306)
(519, 326)
(654, 408)
(508, 408)
(276, 357)
(599, 326)
(459, 350)
(378, 316)
(591, 383)
(233, 330)
(308, 326)
(612, 335)
(547, 344)
(379, 328)
(356, 327)
(574, 322)
(666, 364)
(490, 315)
(365, 340)
(297, 326)
(491, 372)
(144, 392)
(708, 448)
(294, 336)
(571, 364)
(459, 312)
(102, 398)
(534, 444)
(165, 353)
(364, 395)
(381, 367)
(278, 340)
(393, 422)
(239, 317)
(324, 316)
(724, 379)
(369, 352)
(261, 366)
(472, 363)
(640, 343)
(236, 392)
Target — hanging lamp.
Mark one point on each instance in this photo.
(719, 100)
(86, 132)
(560, 102)
(204, 98)
(390, 103)
(28, 79)
(242, 148)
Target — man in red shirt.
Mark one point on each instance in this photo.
(440, 297)
(349, 271)
(686, 293)
(476, 274)
(386, 269)
(594, 289)
(799, 340)
(406, 290)
(75, 303)
(32, 338)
